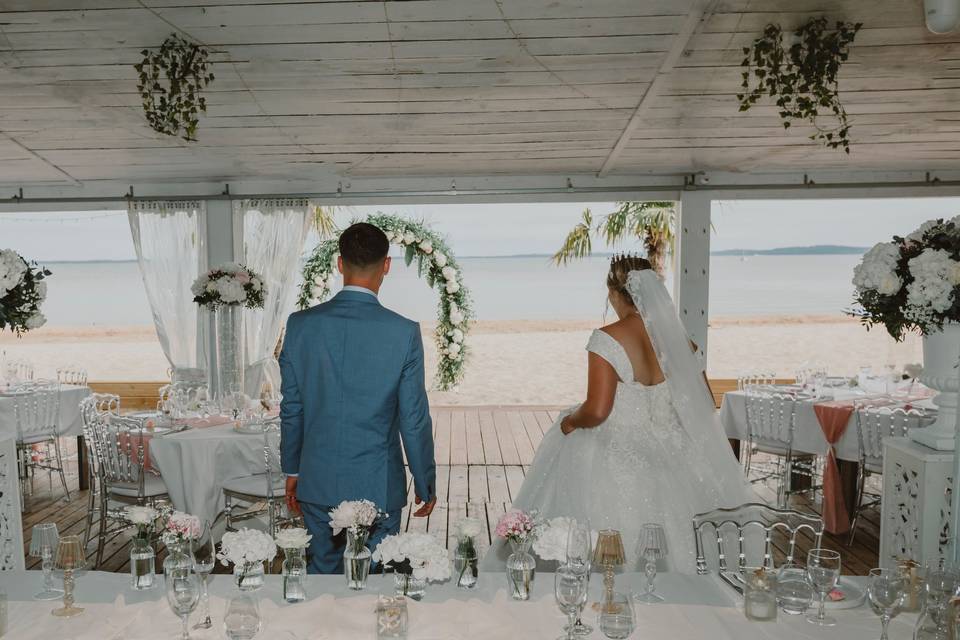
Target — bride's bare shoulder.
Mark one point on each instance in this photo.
(623, 328)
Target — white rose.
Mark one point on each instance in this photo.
(36, 321)
(140, 515)
(467, 528)
(449, 273)
(231, 291)
(426, 246)
(452, 287)
(256, 284)
(456, 318)
(439, 259)
(453, 348)
(389, 235)
(409, 238)
(456, 335)
(319, 280)
(295, 538)
(877, 269)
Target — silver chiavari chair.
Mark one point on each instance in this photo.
(37, 415)
(97, 406)
(875, 423)
(771, 425)
(121, 452)
(746, 381)
(72, 375)
(746, 533)
(19, 371)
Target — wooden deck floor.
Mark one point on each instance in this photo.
(482, 455)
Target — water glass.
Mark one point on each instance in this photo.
(885, 592)
(794, 590)
(823, 568)
(571, 585)
(616, 619)
(183, 594)
(242, 618)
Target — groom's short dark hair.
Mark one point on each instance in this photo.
(363, 245)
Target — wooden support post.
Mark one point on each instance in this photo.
(692, 282)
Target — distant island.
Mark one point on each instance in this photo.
(815, 250)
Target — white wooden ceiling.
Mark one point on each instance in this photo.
(340, 90)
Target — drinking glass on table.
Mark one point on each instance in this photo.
(242, 618)
(570, 589)
(43, 544)
(205, 559)
(885, 592)
(823, 567)
(794, 590)
(580, 556)
(616, 619)
(183, 594)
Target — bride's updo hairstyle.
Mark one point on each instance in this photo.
(620, 268)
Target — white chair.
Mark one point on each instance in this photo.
(771, 424)
(19, 371)
(103, 406)
(751, 528)
(72, 375)
(267, 487)
(37, 415)
(120, 449)
(874, 425)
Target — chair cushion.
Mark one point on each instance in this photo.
(152, 486)
(256, 485)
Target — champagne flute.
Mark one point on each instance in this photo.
(823, 567)
(183, 594)
(570, 589)
(205, 559)
(886, 591)
(580, 556)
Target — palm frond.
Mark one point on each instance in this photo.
(324, 222)
(578, 243)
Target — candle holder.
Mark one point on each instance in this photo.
(392, 619)
(609, 554)
(70, 558)
(43, 544)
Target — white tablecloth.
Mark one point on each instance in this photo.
(808, 436)
(697, 608)
(196, 463)
(71, 423)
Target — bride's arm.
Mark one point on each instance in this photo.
(601, 389)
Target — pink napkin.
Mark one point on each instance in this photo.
(202, 423)
(834, 418)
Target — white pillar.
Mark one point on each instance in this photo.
(221, 241)
(692, 283)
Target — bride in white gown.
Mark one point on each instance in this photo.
(646, 445)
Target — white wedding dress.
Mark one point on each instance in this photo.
(644, 464)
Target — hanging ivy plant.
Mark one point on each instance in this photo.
(171, 80)
(802, 80)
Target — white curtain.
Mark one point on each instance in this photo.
(273, 235)
(170, 241)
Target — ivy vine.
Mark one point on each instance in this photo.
(171, 80)
(802, 80)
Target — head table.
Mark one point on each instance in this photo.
(696, 607)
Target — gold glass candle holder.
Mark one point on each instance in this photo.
(70, 558)
(609, 554)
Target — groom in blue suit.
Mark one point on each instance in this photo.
(353, 389)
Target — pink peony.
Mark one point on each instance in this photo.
(514, 525)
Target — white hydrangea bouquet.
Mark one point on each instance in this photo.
(465, 558)
(229, 284)
(911, 283)
(417, 556)
(22, 291)
(247, 550)
(357, 517)
(293, 538)
(551, 539)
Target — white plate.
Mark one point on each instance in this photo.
(856, 595)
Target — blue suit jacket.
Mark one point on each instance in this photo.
(353, 387)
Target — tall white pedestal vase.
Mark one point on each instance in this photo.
(941, 354)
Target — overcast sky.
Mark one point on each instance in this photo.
(508, 229)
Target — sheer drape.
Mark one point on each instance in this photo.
(170, 238)
(273, 235)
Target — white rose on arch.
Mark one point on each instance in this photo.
(453, 348)
(439, 259)
(457, 336)
(409, 237)
(449, 273)
(452, 287)
(426, 246)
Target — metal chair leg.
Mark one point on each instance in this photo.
(102, 532)
(63, 477)
(858, 504)
(228, 513)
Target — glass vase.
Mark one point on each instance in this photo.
(356, 560)
(521, 568)
(142, 562)
(465, 563)
(248, 576)
(242, 617)
(178, 557)
(294, 573)
(227, 376)
(406, 585)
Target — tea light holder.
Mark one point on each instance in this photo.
(609, 554)
(759, 594)
(392, 618)
(70, 558)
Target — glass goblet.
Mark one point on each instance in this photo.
(570, 589)
(885, 592)
(205, 559)
(580, 556)
(183, 594)
(823, 567)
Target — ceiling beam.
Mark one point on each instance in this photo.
(679, 45)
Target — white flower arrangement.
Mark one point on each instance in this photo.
(467, 528)
(22, 291)
(143, 518)
(229, 284)
(357, 516)
(551, 540)
(911, 283)
(435, 263)
(294, 538)
(245, 548)
(416, 554)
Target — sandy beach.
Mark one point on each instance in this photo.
(515, 362)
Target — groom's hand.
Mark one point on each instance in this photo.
(426, 509)
(291, 492)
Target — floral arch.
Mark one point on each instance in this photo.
(435, 263)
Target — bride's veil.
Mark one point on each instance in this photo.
(688, 387)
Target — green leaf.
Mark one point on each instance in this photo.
(409, 254)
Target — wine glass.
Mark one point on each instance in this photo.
(570, 589)
(652, 546)
(183, 594)
(885, 591)
(617, 620)
(823, 567)
(43, 544)
(205, 559)
(242, 619)
(580, 556)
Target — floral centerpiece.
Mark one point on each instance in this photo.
(357, 518)
(465, 565)
(179, 530)
(416, 558)
(519, 528)
(229, 284)
(146, 521)
(913, 284)
(247, 550)
(22, 291)
(293, 541)
(435, 263)
(551, 540)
